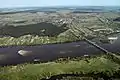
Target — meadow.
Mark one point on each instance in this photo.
(90, 68)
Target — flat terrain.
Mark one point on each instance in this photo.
(28, 30)
(90, 68)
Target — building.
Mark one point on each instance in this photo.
(112, 39)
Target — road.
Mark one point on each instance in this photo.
(10, 55)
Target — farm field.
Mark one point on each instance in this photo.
(42, 28)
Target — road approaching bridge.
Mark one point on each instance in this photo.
(111, 55)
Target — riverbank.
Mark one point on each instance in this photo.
(29, 40)
(95, 67)
(49, 52)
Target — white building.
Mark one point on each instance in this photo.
(112, 39)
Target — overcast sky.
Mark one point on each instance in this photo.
(28, 3)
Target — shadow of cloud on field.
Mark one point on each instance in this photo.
(40, 29)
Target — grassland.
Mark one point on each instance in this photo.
(93, 67)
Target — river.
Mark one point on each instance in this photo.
(10, 55)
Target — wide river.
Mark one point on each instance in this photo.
(10, 55)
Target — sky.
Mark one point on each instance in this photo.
(37, 3)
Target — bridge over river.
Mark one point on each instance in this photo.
(10, 55)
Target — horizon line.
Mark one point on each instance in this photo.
(63, 6)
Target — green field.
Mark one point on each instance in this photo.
(94, 67)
